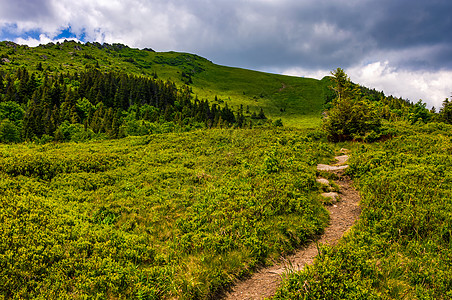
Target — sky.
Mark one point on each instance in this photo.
(401, 47)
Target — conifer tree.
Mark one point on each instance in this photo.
(445, 113)
(342, 83)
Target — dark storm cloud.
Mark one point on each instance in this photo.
(420, 26)
(324, 33)
(260, 33)
(269, 33)
(24, 10)
(411, 23)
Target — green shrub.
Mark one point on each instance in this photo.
(73, 132)
(12, 111)
(351, 119)
(278, 123)
(351, 116)
(9, 132)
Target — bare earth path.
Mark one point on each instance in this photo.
(343, 214)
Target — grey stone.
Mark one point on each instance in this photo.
(333, 195)
(323, 181)
(322, 167)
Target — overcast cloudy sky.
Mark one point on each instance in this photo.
(401, 47)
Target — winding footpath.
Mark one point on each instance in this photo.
(344, 211)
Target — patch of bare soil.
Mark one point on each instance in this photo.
(343, 214)
(282, 88)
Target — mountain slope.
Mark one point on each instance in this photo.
(297, 101)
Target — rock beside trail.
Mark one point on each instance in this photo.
(323, 181)
(328, 168)
(341, 159)
(331, 195)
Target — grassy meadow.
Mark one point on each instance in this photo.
(177, 215)
(297, 101)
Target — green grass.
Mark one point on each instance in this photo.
(176, 215)
(297, 101)
(290, 98)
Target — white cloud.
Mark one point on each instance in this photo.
(301, 72)
(43, 39)
(137, 23)
(432, 87)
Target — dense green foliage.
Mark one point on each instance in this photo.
(115, 104)
(166, 215)
(419, 113)
(351, 116)
(401, 246)
(445, 113)
(351, 119)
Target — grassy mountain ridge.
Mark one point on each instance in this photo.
(297, 101)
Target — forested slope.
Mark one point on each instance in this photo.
(89, 103)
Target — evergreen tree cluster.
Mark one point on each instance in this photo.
(389, 107)
(445, 112)
(352, 116)
(40, 104)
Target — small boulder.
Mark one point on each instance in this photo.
(341, 159)
(328, 168)
(332, 196)
(323, 181)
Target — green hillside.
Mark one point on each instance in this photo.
(297, 101)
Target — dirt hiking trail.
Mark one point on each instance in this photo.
(344, 211)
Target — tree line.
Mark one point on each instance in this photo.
(39, 104)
